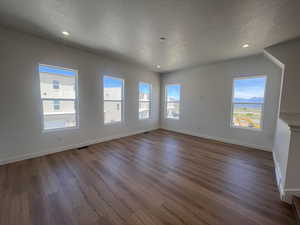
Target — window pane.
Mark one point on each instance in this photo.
(58, 121)
(173, 110)
(249, 90)
(112, 88)
(56, 105)
(144, 110)
(173, 92)
(247, 115)
(144, 92)
(112, 111)
(58, 93)
(51, 107)
(57, 83)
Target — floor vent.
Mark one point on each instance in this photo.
(83, 147)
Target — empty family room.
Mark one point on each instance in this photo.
(149, 112)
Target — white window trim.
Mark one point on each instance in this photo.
(122, 101)
(76, 101)
(166, 102)
(262, 104)
(150, 101)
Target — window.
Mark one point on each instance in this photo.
(59, 108)
(56, 105)
(248, 102)
(113, 99)
(173, 101)
(55, 84)
(144, 100)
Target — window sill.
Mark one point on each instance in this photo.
(247, 128)
(60, 129)
(172, 118)
(145, 119)
(113, 123)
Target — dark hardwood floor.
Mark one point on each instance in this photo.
(149, 179)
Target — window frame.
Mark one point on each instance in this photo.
(150, 101)
(262, 104)
(166, 102)
(76, 101)
(122, 101)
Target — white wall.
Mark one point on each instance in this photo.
(280, 151)
(288, 53)
(206, 101)
(292, 181)
(287, 141)
(20, 113)
(205, 109)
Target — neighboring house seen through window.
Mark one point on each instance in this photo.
(172, 101)
(59, 108)
(113, 99)
(145, 99)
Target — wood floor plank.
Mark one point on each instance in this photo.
(158, 178)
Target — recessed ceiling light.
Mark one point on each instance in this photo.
(245, 45)
(66, 33)
(157, 66)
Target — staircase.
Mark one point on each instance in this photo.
(296, 206)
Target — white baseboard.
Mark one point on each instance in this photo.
(69, 147)
(225, 140)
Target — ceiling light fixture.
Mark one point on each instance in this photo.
(157, 66)
(66, 33)
(245, 45)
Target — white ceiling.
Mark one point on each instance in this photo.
(197, 31)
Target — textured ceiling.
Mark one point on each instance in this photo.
(197, 31)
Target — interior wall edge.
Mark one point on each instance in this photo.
(278, 176)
